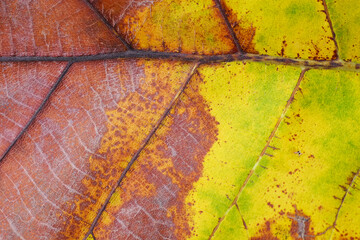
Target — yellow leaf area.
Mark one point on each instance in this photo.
(90, 237)
(308, 188)
(147, 89)
(345, 16)
(184, 179)
(293, 28)
(186, 26)
(246, 100)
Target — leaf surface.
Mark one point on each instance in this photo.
(211, 119)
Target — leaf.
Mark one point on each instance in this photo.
(179, 120)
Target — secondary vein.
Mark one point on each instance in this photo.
(40, 108)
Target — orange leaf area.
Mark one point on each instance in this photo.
(150, 203)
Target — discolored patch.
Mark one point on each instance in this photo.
(300, 224)
(265, 233)
(152, 196)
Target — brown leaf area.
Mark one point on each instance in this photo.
(19, 99)
(53, 28)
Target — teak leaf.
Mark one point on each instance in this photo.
(179, 119)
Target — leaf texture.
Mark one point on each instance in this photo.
(53, 28)
(167, 119)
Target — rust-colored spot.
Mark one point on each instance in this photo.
(300, 224)
(316, 55)
(283, 46)
(270, 205)
(265, 233)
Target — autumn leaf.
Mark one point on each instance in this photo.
(203, 119)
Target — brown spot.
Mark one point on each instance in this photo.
(283, 46)
(265, 233)
(270, 205)
(300, 224)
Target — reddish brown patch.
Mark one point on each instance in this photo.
(19, 98)
(270, 205)
(265, 233)
(283, 46)
(300, 224)
(350, 178)
(291, 173)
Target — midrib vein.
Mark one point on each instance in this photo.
(204, 59)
